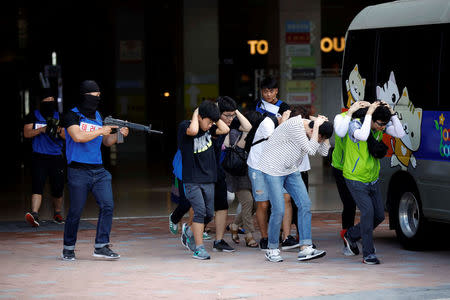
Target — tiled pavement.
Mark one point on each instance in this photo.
(154, 265)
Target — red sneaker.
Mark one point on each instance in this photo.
(32, 219)
(58, 219)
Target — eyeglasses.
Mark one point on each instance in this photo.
(229, 116)
(381, 124)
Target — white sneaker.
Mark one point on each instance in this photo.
(273, 255)
(347, 252)
(310, 253)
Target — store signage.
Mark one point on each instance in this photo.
(261, 46)
(298, 38)
(328, 44)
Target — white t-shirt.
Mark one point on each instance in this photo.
(265, 130)
(305, 165)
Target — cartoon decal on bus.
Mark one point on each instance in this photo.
(411, 119)
(401, 150)
(444, 136)
(355, 87)
(389, 92)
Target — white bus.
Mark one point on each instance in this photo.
(399, 52)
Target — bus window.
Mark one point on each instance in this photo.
(358, 69)
(444, 91)
(408, 65)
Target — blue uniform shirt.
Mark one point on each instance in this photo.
(90, 152)
(42, 143)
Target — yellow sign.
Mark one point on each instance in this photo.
(262, 47)
(327, 44)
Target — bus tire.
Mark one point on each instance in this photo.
(410, 223)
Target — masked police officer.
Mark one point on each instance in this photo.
(47, 159)
(85, 133)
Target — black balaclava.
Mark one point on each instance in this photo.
(89, 103)
(47, 108)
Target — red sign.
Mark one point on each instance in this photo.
(298, 38)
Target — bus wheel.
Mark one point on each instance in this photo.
(410, 222)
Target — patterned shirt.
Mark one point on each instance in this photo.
(285, 149)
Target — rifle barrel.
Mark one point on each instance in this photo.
(130, 125)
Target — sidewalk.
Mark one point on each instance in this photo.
(154, 265)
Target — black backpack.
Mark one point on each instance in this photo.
(251, 134)
(235, 159)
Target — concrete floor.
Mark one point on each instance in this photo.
(154, 265)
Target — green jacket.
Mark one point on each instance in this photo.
(337, 159)
(359, 165)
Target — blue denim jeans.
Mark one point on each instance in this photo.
(295, 186)
(258, 185)
(368, 199)
(80, 183)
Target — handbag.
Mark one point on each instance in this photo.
(235, 160)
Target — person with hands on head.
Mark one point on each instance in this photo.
(341, 123)
(256, 140)
(85, 134)
(270, 105)
(239, 184)
(279, 162)
(363, 150)
(47, 158)
(199, 171)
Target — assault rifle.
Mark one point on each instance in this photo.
(110, 121)
(52, 128)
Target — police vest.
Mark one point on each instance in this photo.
(89, 152)
(339, 148)
(359, 165)
(269, 108)
(42, 143)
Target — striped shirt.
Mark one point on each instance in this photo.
(285, 149)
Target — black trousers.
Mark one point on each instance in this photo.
(51, 166)
(183, 205)
(349, 211)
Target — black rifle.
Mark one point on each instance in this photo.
(110, 121)
(52, 128)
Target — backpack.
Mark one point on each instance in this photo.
(251, 134)
(235, 159)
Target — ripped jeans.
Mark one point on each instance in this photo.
(258, 185)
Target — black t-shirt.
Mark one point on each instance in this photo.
(29, 119)
(198, 155)
(72, 118)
